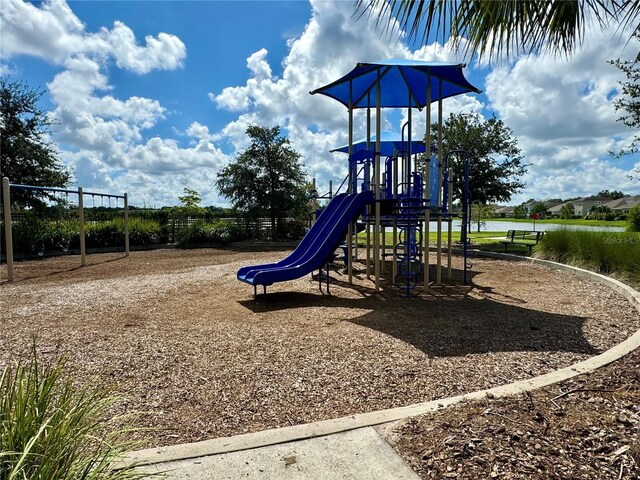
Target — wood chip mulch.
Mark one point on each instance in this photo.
(585, 428)
(178, 337)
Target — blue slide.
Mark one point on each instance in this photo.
(315, 248)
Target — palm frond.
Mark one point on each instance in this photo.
(508, 27)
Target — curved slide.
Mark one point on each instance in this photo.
(315, 248)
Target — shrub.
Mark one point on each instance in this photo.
(604, 252)
(216, 232)
(633, 219)
(50, 429)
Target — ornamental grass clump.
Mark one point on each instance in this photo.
(49, 429)
(604, 252)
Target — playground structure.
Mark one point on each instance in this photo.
(6, 202)
(404, 199)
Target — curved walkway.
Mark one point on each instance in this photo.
(349, 452)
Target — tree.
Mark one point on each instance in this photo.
(495, 161)
(480, 212)
(628, 101)
(266, 178)
(633, 219)
(191, 198)
(520, 211)
(613, 195)
(540, 209)
(491, 27)
(26, 154)
(567, 211)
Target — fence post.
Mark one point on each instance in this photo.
(83, 249)
(126, 224)
(7, 227)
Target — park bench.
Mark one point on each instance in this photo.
(522, 237)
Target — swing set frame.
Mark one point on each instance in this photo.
(6, 202)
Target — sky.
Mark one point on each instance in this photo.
(152, 97)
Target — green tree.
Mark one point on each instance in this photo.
(633, 219)
(481, 212)
(520, 211)
(613, 195)
(191, 198)
(628, 101)
(26, 154)
(496, 164)
(601, 212)
(491, 28)
(540, 209)
(567, 211)
(266, 178)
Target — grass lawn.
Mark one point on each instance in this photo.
(561, 221)
(487, 241)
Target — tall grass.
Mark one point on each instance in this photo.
(604, 252)
(51, 430)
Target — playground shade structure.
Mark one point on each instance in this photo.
(318, 244)
(400, 80)
(389, 141)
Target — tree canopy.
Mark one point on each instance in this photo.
(26, 154)
(628, 101)
(496, 163)
(267, 178)
(613, 194)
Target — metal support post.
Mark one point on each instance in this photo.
(6, 202)
(83, 243)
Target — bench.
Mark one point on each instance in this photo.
(522, 237)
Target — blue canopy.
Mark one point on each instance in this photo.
(389, 141)
(403, 83)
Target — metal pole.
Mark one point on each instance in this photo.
(368, 175)
(376, 169)
(351, 180)
(83, 248)
(450, 225)
(314, 201)
(6, 201)
(427, 188)
(394, 268)
(439, 224)
(126, 224)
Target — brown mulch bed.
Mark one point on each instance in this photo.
(177, 335)
(585, 428)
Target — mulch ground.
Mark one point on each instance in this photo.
(585, 428)
(179, 337)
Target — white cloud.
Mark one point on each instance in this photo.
(53, 32)
(562, 112)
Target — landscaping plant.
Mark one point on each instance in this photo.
(604, 252)
(51, 429)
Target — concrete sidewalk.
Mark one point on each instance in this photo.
(356, 454)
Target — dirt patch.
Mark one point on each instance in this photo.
(586, 428)
(177, 335)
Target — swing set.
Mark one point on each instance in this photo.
(7, 187)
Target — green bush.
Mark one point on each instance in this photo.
(604, 252)
(53, 430)
(220, 231)
(633, 219)
(36, 236)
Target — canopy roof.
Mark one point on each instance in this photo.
(403, 83)
(389, 141)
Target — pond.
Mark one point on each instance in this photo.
(503, 226)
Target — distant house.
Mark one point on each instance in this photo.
(581, 206)
(505, 212)
(621, 206)
(554, 211)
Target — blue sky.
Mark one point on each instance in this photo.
(153, 97)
